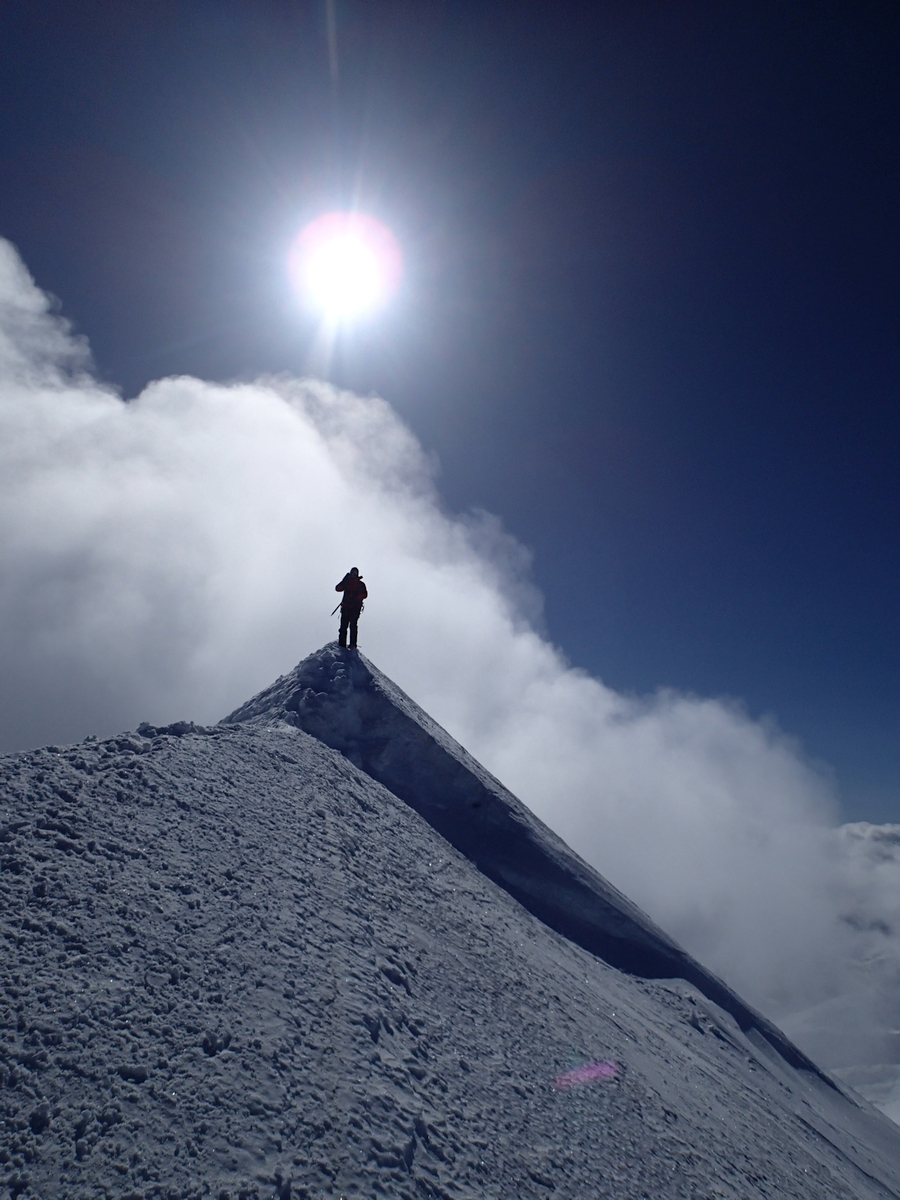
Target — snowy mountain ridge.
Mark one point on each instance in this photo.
(342, 699)
(234, 964)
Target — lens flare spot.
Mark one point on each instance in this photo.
(587, 1073)
(346, 264)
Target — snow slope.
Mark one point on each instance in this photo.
(234, 964)
(341, 698)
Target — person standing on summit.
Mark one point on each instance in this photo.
(355, 592)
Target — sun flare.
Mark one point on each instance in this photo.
(345, 264)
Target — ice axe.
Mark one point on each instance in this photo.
(336, 607)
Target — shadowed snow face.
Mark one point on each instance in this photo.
(167, 557)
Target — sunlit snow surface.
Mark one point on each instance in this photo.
(232, 963)
(341, 698)
(852, 1032)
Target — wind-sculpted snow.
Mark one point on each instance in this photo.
(341, 698)
(234, 965)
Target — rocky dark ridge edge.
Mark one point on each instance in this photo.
(342, 699)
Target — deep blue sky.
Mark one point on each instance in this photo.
(650, 314)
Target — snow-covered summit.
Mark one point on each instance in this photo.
(342, 699)
(233, 964)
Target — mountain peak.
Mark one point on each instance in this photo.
(342, 699)
(233, 963)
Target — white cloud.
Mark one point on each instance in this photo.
(169, 556)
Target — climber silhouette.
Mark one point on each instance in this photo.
(355, 592)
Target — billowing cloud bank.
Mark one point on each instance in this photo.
(167, 557)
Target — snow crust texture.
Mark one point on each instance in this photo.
(345, 701)
(232, 964)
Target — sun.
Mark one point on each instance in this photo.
(346, 264)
